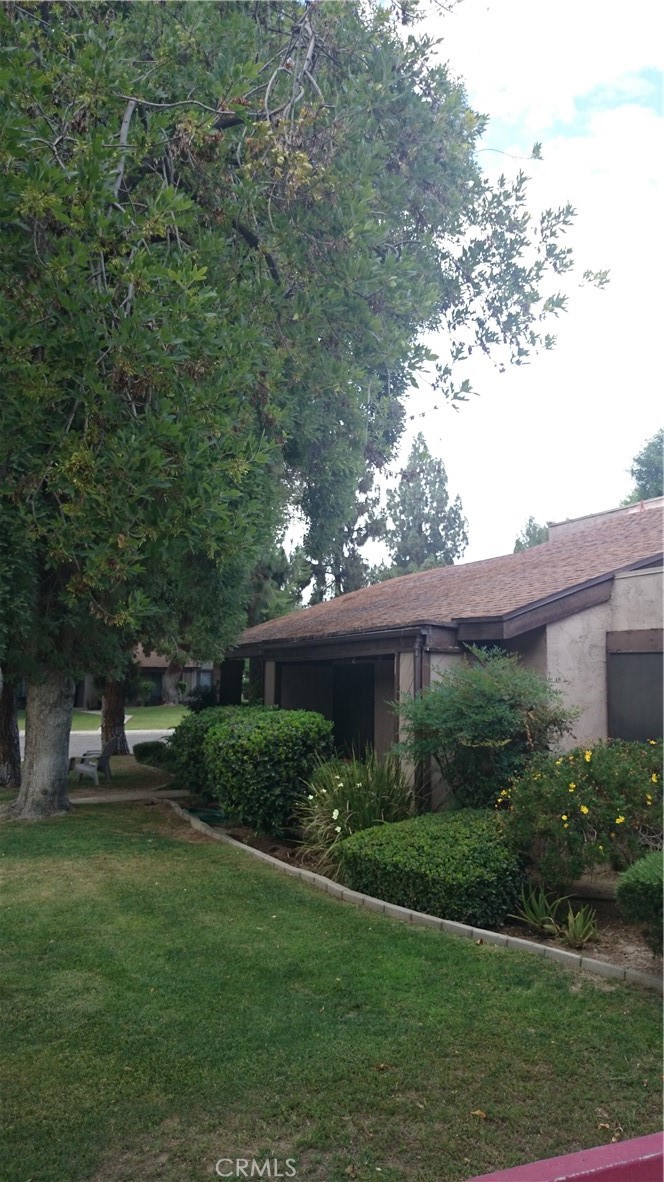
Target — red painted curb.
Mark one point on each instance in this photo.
(639, 1160)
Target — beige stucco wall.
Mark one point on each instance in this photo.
(531, 648)
(576, 647)
(636, 601)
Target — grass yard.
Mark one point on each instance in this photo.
(168, 1001)
(143, 718)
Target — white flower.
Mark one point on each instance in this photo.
(358, 785)
(338, 829)
(335, 814)
(324, 791)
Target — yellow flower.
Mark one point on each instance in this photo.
(620, 819)
(565, 826)
(572, 785)
(587, 755)
(558, 762)
(584, 809)
(563, 816)
(653, 742)
(601, 847)
(654, 778)
(648, 798)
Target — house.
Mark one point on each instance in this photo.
(583, 608)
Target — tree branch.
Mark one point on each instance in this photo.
(124, 134)
(223, 118)
(255, 243)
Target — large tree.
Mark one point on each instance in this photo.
(224, 228)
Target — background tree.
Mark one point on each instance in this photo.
(425, 527)
(647, 470)
(532, 534)
(224, 229)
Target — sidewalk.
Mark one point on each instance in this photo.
(126, 795)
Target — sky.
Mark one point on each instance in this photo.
(556, 438)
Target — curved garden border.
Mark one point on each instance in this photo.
(570, 960)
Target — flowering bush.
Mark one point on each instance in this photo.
(590, 805)
(346, 796)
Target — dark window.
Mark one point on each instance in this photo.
(353, 707)
(635, 695)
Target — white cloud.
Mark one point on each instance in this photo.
(556, 438)
(528, 60)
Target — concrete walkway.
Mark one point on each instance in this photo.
(125, 795)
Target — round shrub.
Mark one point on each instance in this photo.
(639, 895)
(154, 753)
(186, 742)
(257, 763)
(588, 806)
(456, 865)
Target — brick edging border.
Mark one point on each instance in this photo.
(569, 960)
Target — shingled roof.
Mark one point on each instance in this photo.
(591, 551)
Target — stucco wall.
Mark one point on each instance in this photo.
(636, 601)
(576, 647)
(531, 648)
(576, 660)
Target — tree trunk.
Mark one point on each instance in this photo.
(169, 684)
(10, 747)
(112, 716)
(43, 793)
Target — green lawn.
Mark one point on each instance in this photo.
(143, 718)
(168, 1001)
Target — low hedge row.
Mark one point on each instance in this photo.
(639, 895)
(254, 760)
(457, 865)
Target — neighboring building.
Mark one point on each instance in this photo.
(153, 667)
(583, 608)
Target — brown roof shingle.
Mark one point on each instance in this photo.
(492, 587)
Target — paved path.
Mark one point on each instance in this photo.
(123, 795)
(81, 741)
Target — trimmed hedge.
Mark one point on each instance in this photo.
(154, 754)
(257, 762)
(639, 896)
(457, 865)
(186, 742)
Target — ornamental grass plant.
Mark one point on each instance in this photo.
(587, 807)
(346, 796)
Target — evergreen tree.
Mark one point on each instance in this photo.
(647, 470)
(425, 527)
(532, 534)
